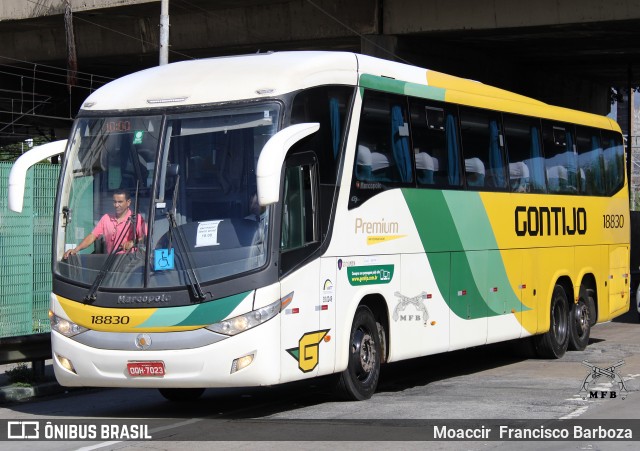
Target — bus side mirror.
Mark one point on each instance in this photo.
(18, 174)
(269, 169)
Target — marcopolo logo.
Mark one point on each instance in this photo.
(595, 373)
(144, 299)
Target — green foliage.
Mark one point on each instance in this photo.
(12, 151)
(21, 374)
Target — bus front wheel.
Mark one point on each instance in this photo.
(181, 394)
(554, 343)
(359, 381)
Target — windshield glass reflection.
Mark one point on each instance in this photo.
(193, 202)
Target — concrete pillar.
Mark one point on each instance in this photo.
(164, 32)
(633, 144)
(37, 367)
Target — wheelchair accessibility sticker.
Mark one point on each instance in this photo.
(163, 259)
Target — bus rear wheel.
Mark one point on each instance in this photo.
(359, 381)
(554, 343)
(579, 326)
(181, 394)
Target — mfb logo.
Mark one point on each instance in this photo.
(421, 312)
(595, 373)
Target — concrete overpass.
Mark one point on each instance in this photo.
(566, 52)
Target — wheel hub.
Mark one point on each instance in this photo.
(364, 348)
(582, 318)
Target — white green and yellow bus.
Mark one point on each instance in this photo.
(301, 214)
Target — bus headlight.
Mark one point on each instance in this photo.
(233, 326)
(64, 326)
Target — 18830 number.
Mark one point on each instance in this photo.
(613, 221)
(109, 319)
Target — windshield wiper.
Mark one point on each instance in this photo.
(91, 295)
(106, 267)
(181, 245)
(134, 218)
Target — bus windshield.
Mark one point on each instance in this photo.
(163, 201)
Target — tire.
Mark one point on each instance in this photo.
(590, 299)
(579, 325)
(637, 302)
(181, 394)
(359, 381)
(554, 343)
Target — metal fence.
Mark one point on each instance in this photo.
(25, 253)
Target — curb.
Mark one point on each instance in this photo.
(14, 393)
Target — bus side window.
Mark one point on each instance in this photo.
(327, 105)
(590, 161)
(613, 161)
(383, 150)
(482, 146)
(299, 235)
(524, 149)
(561, 158)
(293, 235)
(434, 133)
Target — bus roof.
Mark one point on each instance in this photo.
(224, 79)
(264, 75)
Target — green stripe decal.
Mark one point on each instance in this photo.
(195, 315)
(448, 222)
(401, 87)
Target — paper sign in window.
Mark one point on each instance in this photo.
(207, 233)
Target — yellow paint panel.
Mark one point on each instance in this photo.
(476, 94)
(529, 292)
(113, 319)
(463, 85)
(376, 239)
(553, 229)
(618, 280)
(552, 252)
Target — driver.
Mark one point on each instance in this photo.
(112, 227)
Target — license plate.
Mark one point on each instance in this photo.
(146, 369)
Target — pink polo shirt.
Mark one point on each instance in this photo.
(111, 229)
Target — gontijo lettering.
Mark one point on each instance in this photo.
(540, 221)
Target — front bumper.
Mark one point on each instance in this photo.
(204, 366)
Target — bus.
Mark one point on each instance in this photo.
(291, 215)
